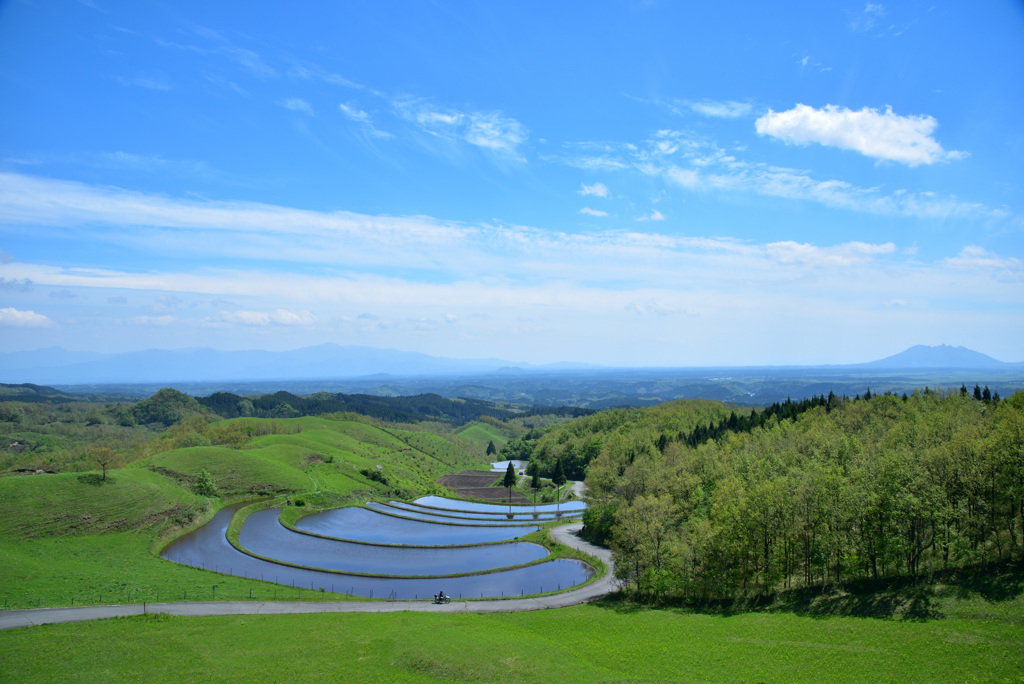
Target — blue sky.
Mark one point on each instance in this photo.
(622, 183)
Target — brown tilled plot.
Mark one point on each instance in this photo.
(474, 484)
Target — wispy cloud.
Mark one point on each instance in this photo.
(264, 318)
(847, 254)
(881, 135)
(697, 164)
(973, 257)
(597, 190)
(363, 119)
(250, 60)
(14, 318)
(489, 130)
(307, 71)
(156, 321)
(729, 109)
(318, 271)
(297, 104)
(655, 215)
(593, 212)
(147, 82)
(868, 18)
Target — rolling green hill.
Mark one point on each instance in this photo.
(73, 537)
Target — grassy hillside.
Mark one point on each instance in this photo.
(582, 644)
(75, 538)
(481, 434)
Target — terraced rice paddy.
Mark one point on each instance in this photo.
(476, 515)
(363, 524)
(496, 509)
(359, 551)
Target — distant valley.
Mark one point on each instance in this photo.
(333, 368)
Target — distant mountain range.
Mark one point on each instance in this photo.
(56, 366)
(325, 361)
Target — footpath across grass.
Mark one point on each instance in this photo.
(581, 644)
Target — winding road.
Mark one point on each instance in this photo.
(566, 534)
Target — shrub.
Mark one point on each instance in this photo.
(204, 485)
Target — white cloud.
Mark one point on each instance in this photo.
(655, 308)
(973, 257)
(496, 132)
(159, 321)
(904, 139)
(847, 254)
(291, 270)
(23, 319)
(729, 109)
(264, 318)
(490, 130)
(655, 215)
(868, 18)
(363, 118)
(593, 212)
(249, 60)
(354, 113)
(698, 164)
(597, 189)
(297, 104)
(535, 283)
(307, 71)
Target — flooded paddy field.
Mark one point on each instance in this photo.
(363, 524)
(263, 535)
(442, 503)
(432, 550)
(477, 515)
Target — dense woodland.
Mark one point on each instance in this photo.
(867, 488)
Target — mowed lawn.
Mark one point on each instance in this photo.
(581, 644)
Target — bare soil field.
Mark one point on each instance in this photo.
(474, 484)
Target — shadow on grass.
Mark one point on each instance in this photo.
(95, 479)
(901, 598)
(1000, 587)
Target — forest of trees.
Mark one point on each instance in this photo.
(397, 409)
(872, 487)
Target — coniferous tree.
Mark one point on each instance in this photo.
(509, 481)
(977, 393)
(490, 448)
(559, 478)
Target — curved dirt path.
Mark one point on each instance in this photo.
(566, 534)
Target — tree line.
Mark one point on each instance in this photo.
(816, 492)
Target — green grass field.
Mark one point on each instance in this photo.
(71, 539)
(479, 434)
(581, 644)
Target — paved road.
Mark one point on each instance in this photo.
(566, 534)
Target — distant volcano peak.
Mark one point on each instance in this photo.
(941, 356)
